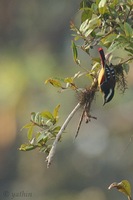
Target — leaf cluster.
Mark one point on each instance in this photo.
(106, 23)
(42, 130)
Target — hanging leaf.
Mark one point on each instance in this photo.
(124, 187)
(27, 126)
(126, 68)
(30, 132)
(54, 82)
(27, 147)
(56, 111)
(128, 30)
(75, 52)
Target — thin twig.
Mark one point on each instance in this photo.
(80, 121)
(125, 61)
(129, 198)
(53, 148)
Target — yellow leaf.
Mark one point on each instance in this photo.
(102, 6)
(55, 112)
(53, 82)
(68, 80)
(47, 115)
(124, 187)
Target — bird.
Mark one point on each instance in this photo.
(106, 78)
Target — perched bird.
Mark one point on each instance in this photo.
(106, 78)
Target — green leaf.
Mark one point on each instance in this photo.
(68, 80)
(47, 115)
(27, 147)
(56, 129)
(124, 187)
(95, 67)
(88, 26)
(84, 26)
(126, 67)
(30, 132)
(32, 117)
(41, 137)
(56, 111)
(129, 50)
(27, 125)
(86, 14)
(94, 22)
(85, 4)
(102, 6)
(38, 119)
(88, 32)
(109, 38)
(54, 82)
(97, 2)
(75, 52)
(45, 149)
(130, 2)
(128, 30)
(114, 46)
(94, 6)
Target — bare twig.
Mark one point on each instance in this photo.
(52, 151)
(80, 122)
(127, 60)
(129, 198)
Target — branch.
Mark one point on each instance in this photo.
(53, 149)
(127, 60)
(129, 198)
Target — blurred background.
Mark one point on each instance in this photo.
(35, 44)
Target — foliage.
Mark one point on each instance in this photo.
(46, 133)
(107, 23)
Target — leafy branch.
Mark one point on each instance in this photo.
(103, 23)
